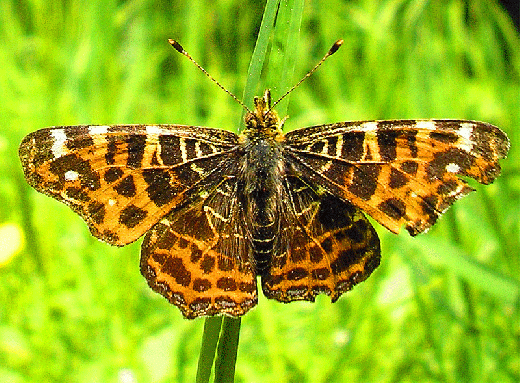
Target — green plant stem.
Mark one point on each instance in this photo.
(210, 339)
(284, 51)
(284, 34)
(227, 351)
(259, 54)
(33, 247)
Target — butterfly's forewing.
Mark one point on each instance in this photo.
(402, 172)
(199, 257)
(122, 179)
(330, 246)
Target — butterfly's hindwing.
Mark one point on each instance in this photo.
(198, 256)
(330, 246)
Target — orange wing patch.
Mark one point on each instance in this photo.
(330, 247)
(199, 257)
(122, 179)
(403, 172)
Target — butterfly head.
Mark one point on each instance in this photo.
(263, 121)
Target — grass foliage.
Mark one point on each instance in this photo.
(442, 307)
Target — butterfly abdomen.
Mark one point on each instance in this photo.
(262, 174)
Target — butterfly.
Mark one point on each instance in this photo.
(219, 209)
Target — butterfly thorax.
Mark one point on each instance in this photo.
(262, 122)
(261, 173)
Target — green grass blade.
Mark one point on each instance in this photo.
(259, 54)
(227, 351)
(210, 338)
(441, 253)
(283, 35)
(284, 51)
(287, 26)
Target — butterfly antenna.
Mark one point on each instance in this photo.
(178, 47)
(331, 51)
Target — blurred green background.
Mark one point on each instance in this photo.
(442, 307)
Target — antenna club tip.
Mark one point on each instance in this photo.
(178, 47)
(335, 46)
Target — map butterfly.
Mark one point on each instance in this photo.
(218, 209)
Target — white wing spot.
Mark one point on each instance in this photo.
(452, 168)
(58, 147)
(325, 148)
(339, 145)
(71, 175)
(425, 124)
(98, 129)
(465, 131)
(198, 151)
(369, 126)
(153, 129)
(182, 147)
(111, 202)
